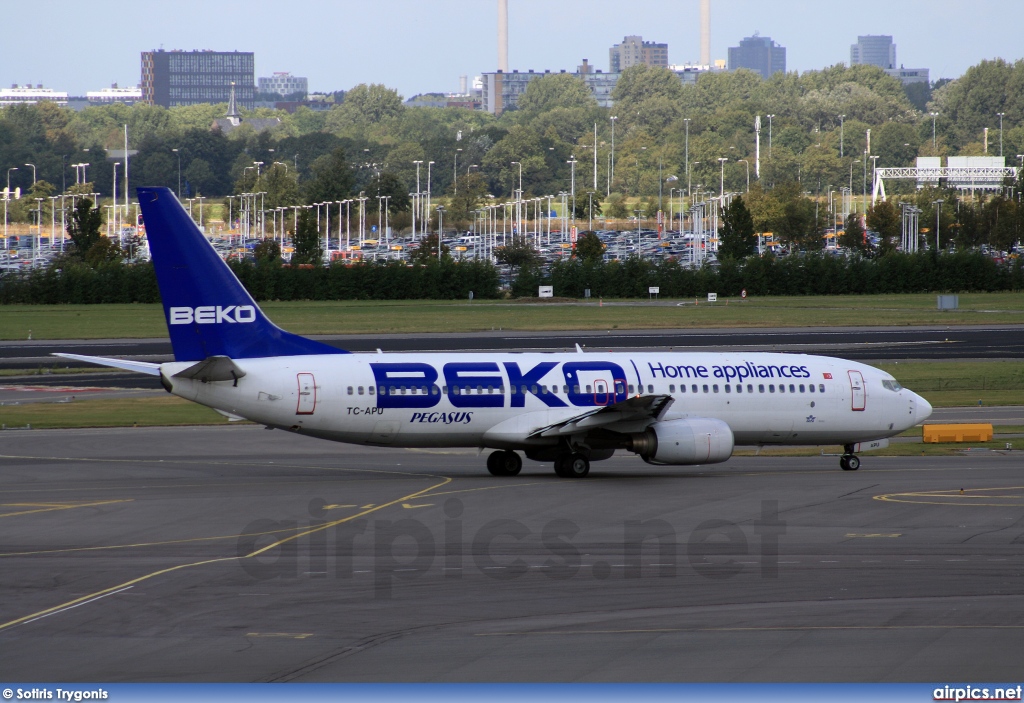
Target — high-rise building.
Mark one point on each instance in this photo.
(176, 78)
(634, 50)
(874, 49)
(283, 84)
(759, 54)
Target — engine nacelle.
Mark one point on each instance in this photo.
(700, 440)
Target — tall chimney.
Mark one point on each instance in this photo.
(705, 32)
(503, 35)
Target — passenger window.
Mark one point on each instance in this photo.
(792, 388)
(760, 388)
(739, 387)
(631, 389)
(801, 388)
(715, 388)
(705, 388)
(522, 389)
(576, 389)
(671, 388)
(750, 388)
(821, 387)
(619, 389)
(350, 390)
(650, 388)
(479, 390)
(371, 389)
(811, 387)
(433, 390)
(588, 390)
(771, 387)
(456, 390)
(444, 389)
(533, 389)
(360, 390)
(727, 389)
(693, 388)
(501, 389)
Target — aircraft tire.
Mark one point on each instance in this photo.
(577, 466)
(495, 463)
(511, 463)
(852, 463)
(561, 466)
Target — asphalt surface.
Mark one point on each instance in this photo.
(129, 555)
(861, 344)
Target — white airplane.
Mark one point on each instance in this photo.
(566, 408)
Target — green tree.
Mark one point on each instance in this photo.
(517, 254)
(280, 186)
(198, 176)
(584, 199)
(589, 247)
(426, 252)
(306, 240)
(371, 104)
(267, 250)
(884, 219)
(617, 206)
(736, 239)
(387, 184)
(472, 190)
(84, 226)
(853, 235)
(555, 90)
(332, 178)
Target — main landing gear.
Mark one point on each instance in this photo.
(572, 466)
(849, 460)
(504, 463)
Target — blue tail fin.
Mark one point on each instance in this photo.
(208, 311)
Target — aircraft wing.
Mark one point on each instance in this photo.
(641, 407)
(136, 366)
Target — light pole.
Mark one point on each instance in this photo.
(440, 229)
(519, 198)
(747, 164)
(426, 219)
(686, 154)
(842, 118)
(113, 197)
(938, 213)
(934, 142)
(416, 200)
(455, 187)
(257, 164)
(572, 162)
(770, 136)
(178, 154)
(722, 161)
(611, 171)
(1001, 115)
(874, 168)
(12, 168)
(34, 166)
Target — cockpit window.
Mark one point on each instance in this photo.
(892, 385)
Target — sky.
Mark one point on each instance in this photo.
(425, 45)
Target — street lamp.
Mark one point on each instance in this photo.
(722, 161)
(770, 135)
(1001, 116)
(455, 187)
(34, 166)
(13, 168)
(934, 142)
(686, 153)
(841, 119)
(611, 171)
(938, 212)
(178, 154)
(572, 162)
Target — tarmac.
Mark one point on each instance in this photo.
(241, 554)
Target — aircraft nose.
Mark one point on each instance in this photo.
(924, 409)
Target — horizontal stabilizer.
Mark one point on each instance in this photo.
(214, 368)
(136, 366)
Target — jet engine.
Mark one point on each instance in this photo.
(700, 440)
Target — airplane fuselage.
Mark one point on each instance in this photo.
(494, 400)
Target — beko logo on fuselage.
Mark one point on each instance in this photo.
(212, 314)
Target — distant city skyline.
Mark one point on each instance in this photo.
(419, 47)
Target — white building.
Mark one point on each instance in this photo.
(113, 94)
(283, 83)
(27, 95)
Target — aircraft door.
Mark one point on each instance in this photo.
(307, 394)
(602, 396)
(858, 394)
